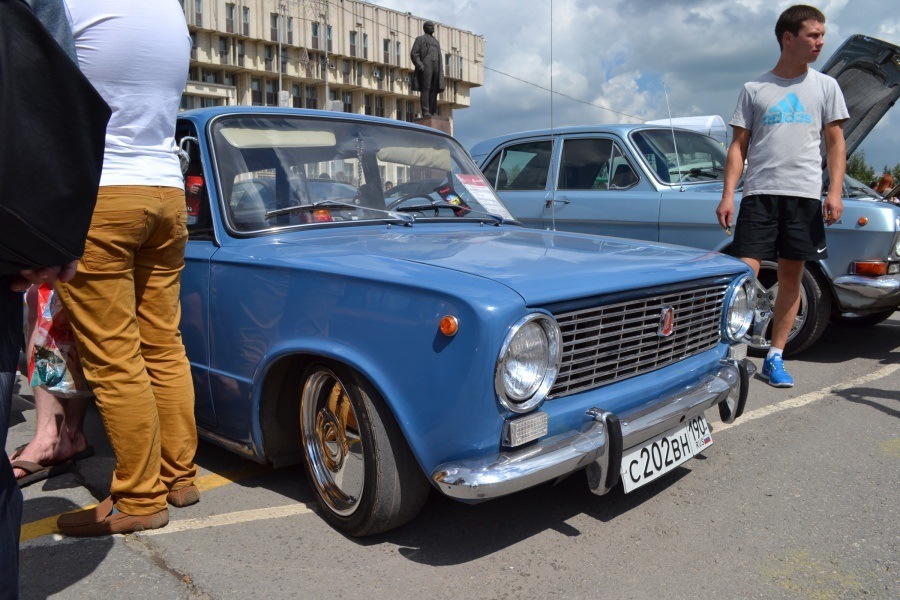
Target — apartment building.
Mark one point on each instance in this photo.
(345, 55)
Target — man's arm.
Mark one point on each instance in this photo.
(416, 54)
(836, 153)
(734, 166)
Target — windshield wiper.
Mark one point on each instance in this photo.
(497, 219)
(326, 204)
(712, 172)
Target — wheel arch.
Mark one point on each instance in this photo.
(277, 408)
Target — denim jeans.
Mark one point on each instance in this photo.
(10, 494)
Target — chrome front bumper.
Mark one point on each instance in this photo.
(600, 443)
(855, 292)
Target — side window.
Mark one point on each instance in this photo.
(594, 164)
(585, 164)
(521, 167)
(199, 220)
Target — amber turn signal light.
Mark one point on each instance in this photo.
(870, 268)
(449, 325)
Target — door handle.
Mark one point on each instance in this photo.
(551, 201)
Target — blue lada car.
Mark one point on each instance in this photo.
(653, 182)
(430, 341)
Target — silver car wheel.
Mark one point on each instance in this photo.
(332, 442)
(760, 334)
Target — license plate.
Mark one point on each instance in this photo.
(654, 458)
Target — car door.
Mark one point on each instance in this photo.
(195, 276)
(519, 174)
(600, 190)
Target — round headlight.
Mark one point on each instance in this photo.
(739, 311)
(528, 362)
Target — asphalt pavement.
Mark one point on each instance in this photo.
(798, 499)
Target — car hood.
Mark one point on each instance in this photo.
(868, 71)
(541, 266)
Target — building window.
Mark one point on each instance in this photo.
(328, 35)
(224, 51)
(367, 104)
(247, 21)
(379, 106)
(400, 110)
(209, 76)
(290, 31)
(271, 99)
(187, 102)
(209, 102)
(198, 13)
(314, 42)
(312, 97)
(240, 53)
(353, 44)
(255, 92)
(229, 17)
(296, 96)
(228, 79)
(447, 71)
(347, 101)
(193, 46)
(410, 111)
(273, 27)
(366, 45)
(387, 51)
(270, 54)
(398, 54)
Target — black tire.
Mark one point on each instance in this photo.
(365, 477)
(815, 310)
(867, 320)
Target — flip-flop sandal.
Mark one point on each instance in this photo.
(84, 452)
(35, 472)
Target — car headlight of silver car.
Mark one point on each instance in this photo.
(739, 309)
(528, 363)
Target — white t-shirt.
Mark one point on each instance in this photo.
(786, 118)
(136, 54)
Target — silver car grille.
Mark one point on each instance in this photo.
(610, 343)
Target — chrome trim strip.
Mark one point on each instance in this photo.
(479, 479)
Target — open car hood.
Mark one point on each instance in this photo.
(868, 71)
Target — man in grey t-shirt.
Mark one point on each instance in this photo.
(778, 125)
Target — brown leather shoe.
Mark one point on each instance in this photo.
(100, 520)
(184, 496)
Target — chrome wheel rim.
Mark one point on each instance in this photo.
(760, 336)
(332, 443)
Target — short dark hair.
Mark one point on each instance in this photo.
(792, 20)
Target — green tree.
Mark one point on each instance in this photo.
(896, 172)
(858, 169)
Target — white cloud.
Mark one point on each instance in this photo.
(615, 53)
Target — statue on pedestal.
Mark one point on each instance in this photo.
(429, 74)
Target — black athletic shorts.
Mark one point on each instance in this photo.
(772, 226)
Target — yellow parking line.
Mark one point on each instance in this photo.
(47, 526)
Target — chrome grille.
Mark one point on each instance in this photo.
(610, 343)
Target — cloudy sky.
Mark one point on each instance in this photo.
(611, 58)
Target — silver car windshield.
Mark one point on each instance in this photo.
(286, 171)
(691, 158)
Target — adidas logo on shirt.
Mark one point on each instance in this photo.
(788, 110)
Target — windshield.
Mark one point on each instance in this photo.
(691, 158)
(284, 171)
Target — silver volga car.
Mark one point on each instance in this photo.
(663, 184)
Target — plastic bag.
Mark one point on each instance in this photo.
(54, 364)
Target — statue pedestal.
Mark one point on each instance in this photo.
(436, 122)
